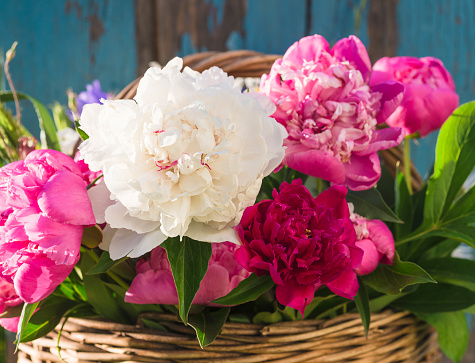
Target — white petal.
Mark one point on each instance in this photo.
(100, 200)
(204, 233)
(128, 243)
(118, 217)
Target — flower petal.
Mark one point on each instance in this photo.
(63, 190)
(353, 50)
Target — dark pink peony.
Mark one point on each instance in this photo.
(302, 242)
(8, 299)
(375, 239)
(430, 95)
(43, 209)
(154, 282)
(330, 112)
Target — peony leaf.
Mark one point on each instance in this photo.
(248, 290)
(452, 332)
(98, 294)
(47, 317)
(436, 298)
(370, 204)
(104, 264)
(208, 324)
(48, 129)
(403, 206)
(455, 271)
(393, 279)
(362, 303)
(26, 313)
(266, 317)
(454, 161)
(80, 131)
(91, 237)
(189, 262)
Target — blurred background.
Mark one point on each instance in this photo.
(68, 43)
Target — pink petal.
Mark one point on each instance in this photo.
(215, 284)
(392, 95)
(345, 285)
(353, 50)
(309, 48)
(295, 295)
(362, 172)
(11, 324)
(315, 163)
(370, 257)
(63, 190)
(37, 278)
(334, 198)
(56, 159)
(152, 287)
(384, 139)
(383, 240)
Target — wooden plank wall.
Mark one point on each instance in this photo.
(67, 43)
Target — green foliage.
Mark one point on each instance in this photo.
(392, 279)
(362, 303)
(189, 263)
(47, 126)
(452, 331)
(248, 290)
(208, 324)
(105, 263)
(370, 204)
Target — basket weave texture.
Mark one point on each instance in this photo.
(393, 338)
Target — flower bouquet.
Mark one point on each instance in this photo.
(203, 222)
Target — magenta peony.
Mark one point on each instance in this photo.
(154, 281)
(302, 242)
(430, 95)
(43, 208)
(324, 101)
(375, 239)
(8, 299)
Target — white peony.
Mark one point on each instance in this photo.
(185, 158)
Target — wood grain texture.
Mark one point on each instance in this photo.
(63, 44)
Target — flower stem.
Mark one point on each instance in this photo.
(8, 58)
(319, 185)
(407, 163)
(112, 275)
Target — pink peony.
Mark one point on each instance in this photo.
(88, 175)
(324, 101)
(8, 299)
(302, 242)
(154, 282)
(43, 208)
(430, 95)
(375, 239)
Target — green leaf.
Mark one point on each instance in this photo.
(437, 298)
(311, 309)
(81, 133)
(453, 271)
(379, 303)
(266, 317)
(362, 303)
(404, 207)
(248, 290)
(48, 129)
(189, 262)
(104, 264)
(47, 317)
(393, 279)
(454, 161)
(98, 294)
(452, 331)
(462, 211)
(370, 204)
(461, 233)
(91, 236)
(208, 324)
(26, 313)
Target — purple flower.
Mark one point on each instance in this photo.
(93, 94)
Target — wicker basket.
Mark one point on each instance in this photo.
(393, 337)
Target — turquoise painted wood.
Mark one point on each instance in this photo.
(66, 44)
